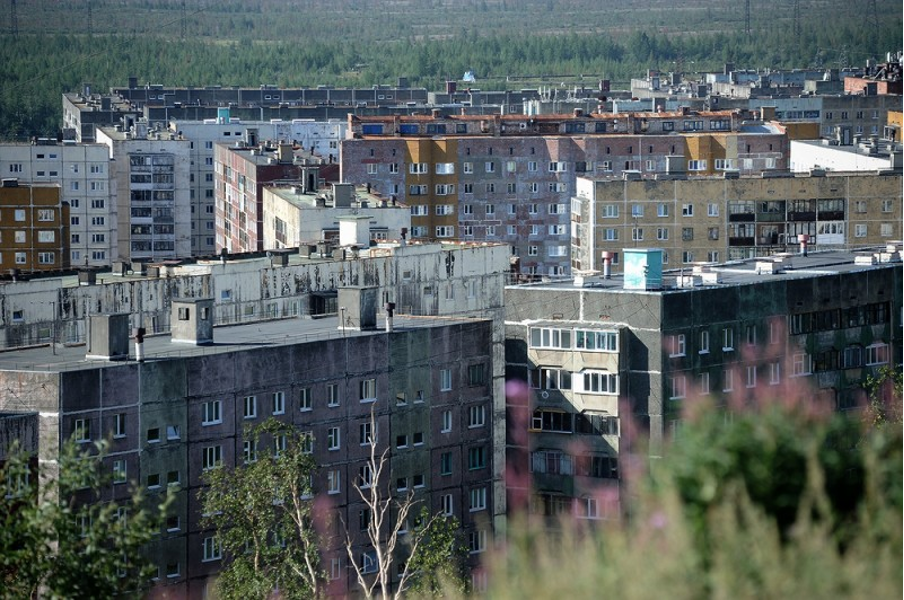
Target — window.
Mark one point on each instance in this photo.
(877, 354)
(885, 229)
(596, 341)
(279, 403)
(662, 233)
(445, 378)
(553, 420)
(212, 456)
(250, 407)
(704, 383)
(553, 462)
(279, 445)
(751, 376)
(860, 230)
(368, 390)
(365, 476)
(445, 231)
(775, 373)
(543, 337)
(172, 570)
(249, 451)
(704, 341)
(211, 550)
(610, 211)
(727, 380)
(332, 394)
(478, 499)
(477, 416)
(119, 426)
(677, 384)
(447, 421)
(418, 438)
(447, 507)
(477, 458)
(82, 430)
(332, 481)
(637, 234)
(445, 463)
(332, 438)
(712, 210)
(368, 560)
(467, 168)
(801, 364)
(307, 442)
(417, 168)
(211, 413)
(153, 435)
(687, 210)
(687, 234)
(365, 431)
(696, 165)
(19, 214)
(677, 345)
(490, 166)
(305, 402)
(727, 339)
(477, 541)
(119, 471)
(599, 382)
(610, 234)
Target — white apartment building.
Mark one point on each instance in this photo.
(151, 170)
(83, 172)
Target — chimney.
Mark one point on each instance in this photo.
(607, 264)
(138, 336)
(390, 309)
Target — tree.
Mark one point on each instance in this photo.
(60, 536)
(263, 512)
(433, 550)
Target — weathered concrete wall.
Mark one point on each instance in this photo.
(414, 277)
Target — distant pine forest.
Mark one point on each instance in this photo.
(49, 47)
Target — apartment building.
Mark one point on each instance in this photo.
(159, 105)
(151, 171)
(429, 384)
(621, 357)
(82, 174)
(714, 219)
(34, 228)
(241, 173)
(510, 178)
(435, 384)
(344, 216)
(318, 138)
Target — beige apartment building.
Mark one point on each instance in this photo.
(714, 219)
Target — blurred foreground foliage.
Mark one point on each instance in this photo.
(777, 503)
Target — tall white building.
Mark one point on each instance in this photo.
(83, 172)
(151, 170)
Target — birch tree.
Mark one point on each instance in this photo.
(423, 547)
(262, 510)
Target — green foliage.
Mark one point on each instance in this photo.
(64, 536)
(768, 455)
(307, 43)
(716, 523)
(263, 513)
(440, 564)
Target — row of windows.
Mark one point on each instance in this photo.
(801, 365)
(557, 462)
(559, 421)
(585, 340)
(839, 318)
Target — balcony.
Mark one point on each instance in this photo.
(741, 241)
(741, 217)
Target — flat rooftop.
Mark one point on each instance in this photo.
(741, 272)
(231, 338)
